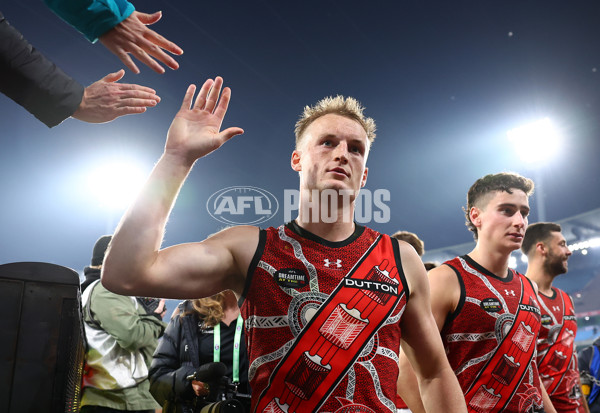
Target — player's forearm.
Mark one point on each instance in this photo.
(443, 393)
(131, 264)
(408, 386)
(548, 406)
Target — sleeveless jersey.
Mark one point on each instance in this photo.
(557, 359)
(295, 273)
(491, 338)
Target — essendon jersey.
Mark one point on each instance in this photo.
(557, 360)
(491, 338)
(323, 321)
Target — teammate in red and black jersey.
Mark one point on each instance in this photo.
(487, 313)
(547, 256)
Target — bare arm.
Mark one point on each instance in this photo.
(548, 406)
(134, 264)
(422, 347)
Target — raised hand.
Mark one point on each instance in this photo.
(106, 99)
(196, 129)
(131, 36)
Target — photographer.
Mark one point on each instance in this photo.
(204, 331)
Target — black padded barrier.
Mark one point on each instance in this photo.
(42, 345)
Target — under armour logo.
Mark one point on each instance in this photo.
(338, 263)
(510, 292)
(555, 308)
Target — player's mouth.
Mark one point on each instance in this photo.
(340, 171)
(516, 235)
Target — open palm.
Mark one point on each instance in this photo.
(196, 129)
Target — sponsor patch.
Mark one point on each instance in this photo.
(546, 320)
(291, 278)
(372, 286)
(491, 305)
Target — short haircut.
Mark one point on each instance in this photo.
(538, 232)
(339, 105)
(430, 265)
(412, 239)
(500, 182)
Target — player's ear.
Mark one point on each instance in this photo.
(541, 247)
(363, 181)
(295, 161)
(475, 215)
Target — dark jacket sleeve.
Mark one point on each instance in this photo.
(167, 372)
(33, 81)
(585, 358)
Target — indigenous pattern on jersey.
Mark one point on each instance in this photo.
(323, 321)
(491, 340)
(557, 359)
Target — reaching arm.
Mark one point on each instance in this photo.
(33, 81)
(134, 263)
(92, 18)
(121, 29)
(422, 347)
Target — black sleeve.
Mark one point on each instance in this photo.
(167, 375)
(33, 81)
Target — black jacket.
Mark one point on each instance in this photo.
(178, 355)
(33, 81)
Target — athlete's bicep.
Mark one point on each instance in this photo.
(205, 268)
(445, 293)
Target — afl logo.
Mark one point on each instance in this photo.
(242, 205)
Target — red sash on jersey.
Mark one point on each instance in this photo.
(562, 351)
(496, 383)
(332, 340)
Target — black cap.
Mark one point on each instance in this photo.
(100, 249)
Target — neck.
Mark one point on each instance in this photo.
(330, 219)
(536, 273)
(494, 261)
(230, 308)
(230, 301)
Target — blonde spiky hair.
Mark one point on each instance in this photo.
(339, 105)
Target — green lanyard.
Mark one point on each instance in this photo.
(236, 347)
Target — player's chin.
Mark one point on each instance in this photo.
(337, 186)
(513, 245)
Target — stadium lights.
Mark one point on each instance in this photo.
(585, 245)
(535, 142)
(116, 183)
